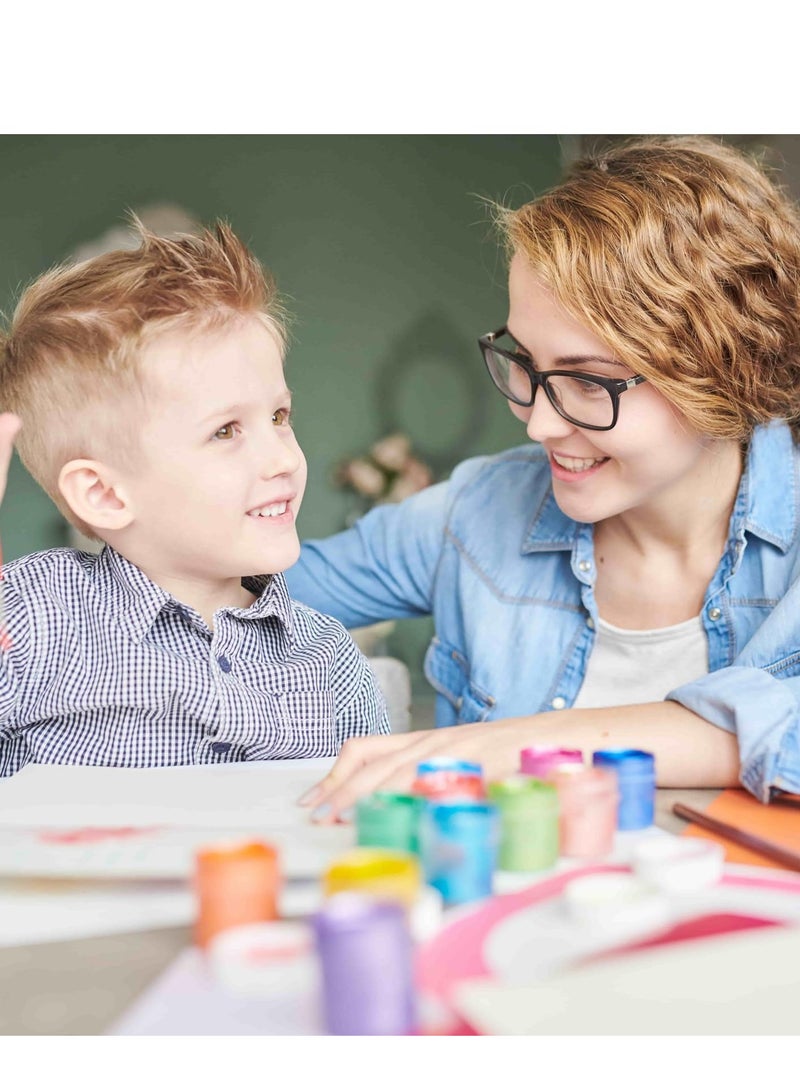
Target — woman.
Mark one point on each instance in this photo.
(628, 579)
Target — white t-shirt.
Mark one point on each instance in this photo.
(635, 666)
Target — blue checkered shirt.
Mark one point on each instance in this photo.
(107, 668)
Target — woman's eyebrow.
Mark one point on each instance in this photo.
(570, 361)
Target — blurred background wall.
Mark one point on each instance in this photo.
(382, 246)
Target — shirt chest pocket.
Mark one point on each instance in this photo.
(448, 672)
(305, 723)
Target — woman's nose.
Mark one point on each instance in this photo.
(541, 420)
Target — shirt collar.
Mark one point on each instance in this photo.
(766, 503)
(136, 601)
(767, 500)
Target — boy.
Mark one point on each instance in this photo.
(155, 413)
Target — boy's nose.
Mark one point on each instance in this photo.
(281, 458)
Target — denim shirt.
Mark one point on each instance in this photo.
(510, 579)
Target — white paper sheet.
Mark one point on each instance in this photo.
(45, 910)
(185, 999)
(745, 983)
(90, 822)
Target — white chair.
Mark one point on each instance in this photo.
(395, 682)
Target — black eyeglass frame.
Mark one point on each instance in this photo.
(615, 387)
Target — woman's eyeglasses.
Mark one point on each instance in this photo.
(589, 401)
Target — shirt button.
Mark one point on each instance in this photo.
(220, 747)
(558, 702)
(715, 613)
(584, 566)
(590, 622)
(224, 663)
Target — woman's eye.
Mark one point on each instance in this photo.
(281, 416)
(227, 431)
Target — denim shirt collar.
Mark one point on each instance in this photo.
(767, 509)
(762, 507)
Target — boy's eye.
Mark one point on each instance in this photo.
(227, 431)
(281, 416)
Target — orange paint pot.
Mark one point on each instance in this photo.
(235, 883)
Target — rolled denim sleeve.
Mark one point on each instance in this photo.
(764, 714)
(758, 699)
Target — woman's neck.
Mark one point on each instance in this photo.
(654, 564)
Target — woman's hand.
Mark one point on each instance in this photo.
(389, 763)
(690, 752)
(9, 426)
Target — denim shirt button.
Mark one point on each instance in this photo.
(590, 622)
(584, 566)
(715, 613)
(558, 703)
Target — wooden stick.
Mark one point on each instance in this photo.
(786, 799)
(775, 852)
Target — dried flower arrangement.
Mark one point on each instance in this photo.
(388, 473)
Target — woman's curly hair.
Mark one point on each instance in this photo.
(683, 256)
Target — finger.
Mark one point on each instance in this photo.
(398, 765)
(355, 753)
(10, 425)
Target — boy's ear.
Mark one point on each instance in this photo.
(95, 494)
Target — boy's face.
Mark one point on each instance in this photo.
(220, 476)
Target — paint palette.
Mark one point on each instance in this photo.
(531, 937)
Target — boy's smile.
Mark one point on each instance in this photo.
(219, 478)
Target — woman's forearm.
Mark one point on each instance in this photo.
(690, 752)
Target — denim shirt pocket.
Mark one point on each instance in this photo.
(448, 672)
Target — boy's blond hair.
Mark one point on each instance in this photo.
(69, 363)
(683, 256)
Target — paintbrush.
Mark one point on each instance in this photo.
(741, 837)
(786, 799)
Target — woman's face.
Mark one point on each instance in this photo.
(646, 462)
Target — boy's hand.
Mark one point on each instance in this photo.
(10, 424)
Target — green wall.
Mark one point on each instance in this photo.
(380, 242)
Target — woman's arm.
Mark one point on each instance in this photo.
(382, 568)
(690, 752)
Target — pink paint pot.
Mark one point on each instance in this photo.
(538, 761)
(588, 800)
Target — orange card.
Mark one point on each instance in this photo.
(774, 821)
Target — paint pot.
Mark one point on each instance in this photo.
(389, 820)
(615, 902)
(679, 865)
(528, 823)
(636, 781)
(382, 873)
(425, 914)
(235, 884)
(588, 801)
(366, 957)
(263, 959)
(449, 778)
(539, 761)
(458, 846)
